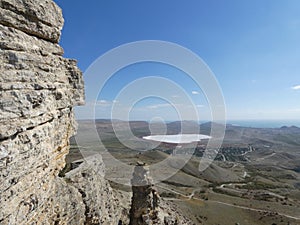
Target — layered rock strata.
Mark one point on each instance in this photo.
(38, 89)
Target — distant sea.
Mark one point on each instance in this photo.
(250, 123)
(264, 123)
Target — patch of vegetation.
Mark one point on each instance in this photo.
(257, 185)
(297, 169)
(168, 195)
(225, 192)
(289, 139)
(176, 184)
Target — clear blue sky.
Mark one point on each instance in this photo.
(252, 46)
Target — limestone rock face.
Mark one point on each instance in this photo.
(102, 203)
(42, 19)
(38, 89)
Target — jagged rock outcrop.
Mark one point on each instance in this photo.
(146, 206)
(38, 89)
(102, 203)
(144, 203)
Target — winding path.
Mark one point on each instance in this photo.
(256, 210)
(189, 197)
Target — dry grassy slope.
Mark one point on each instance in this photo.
(265, 169)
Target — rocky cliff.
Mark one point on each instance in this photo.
(38, 89)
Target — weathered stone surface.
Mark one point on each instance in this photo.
(38, 89)
(146, 206)
(102, 205)
(41, 18)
